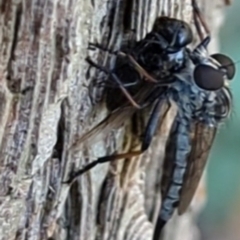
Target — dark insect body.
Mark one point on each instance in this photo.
(160, 71)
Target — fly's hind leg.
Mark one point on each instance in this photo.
(159, 112)
(100, 160)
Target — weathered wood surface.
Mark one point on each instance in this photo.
(47, 99)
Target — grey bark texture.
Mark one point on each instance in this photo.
(47, 99)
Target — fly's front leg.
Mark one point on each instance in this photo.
(199, 18)
(158, 112)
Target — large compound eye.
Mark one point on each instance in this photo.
(227, 64)
(208, 78)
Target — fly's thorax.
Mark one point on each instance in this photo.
(195, 103)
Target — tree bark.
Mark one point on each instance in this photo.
(48, 98)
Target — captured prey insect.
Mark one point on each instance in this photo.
(164, 72)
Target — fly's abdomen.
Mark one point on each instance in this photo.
(175, 163)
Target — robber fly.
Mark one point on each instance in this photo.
(166, 74)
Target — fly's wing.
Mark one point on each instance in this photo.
(157, 158)
(202, 139)
(116, 118)
(113, 121)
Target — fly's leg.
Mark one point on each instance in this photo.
(158, 112)
(100, 160)
(131, 59)
(198, 17)
(118, 82)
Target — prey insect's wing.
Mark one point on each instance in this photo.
(202, 140)
(117, 117)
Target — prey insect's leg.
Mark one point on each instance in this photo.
(131, 59)
(197, 15)
(152, 125)
(116, 79)
(109, 85)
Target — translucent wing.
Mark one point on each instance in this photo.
(113, 121)
(202, 139)
(117, 117)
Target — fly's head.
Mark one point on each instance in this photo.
(212, 74)
(163, 50)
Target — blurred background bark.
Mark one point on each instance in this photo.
(220, 217)
(48, 98)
